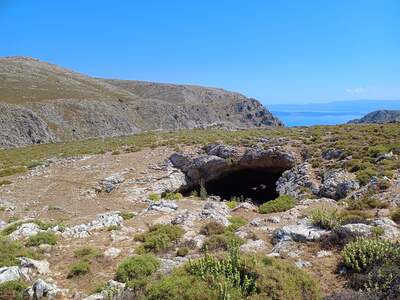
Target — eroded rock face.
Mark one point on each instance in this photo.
(221, 159)
(20, 126)
(294, 181)
(337, 184)
(43, 290)
(301, 232)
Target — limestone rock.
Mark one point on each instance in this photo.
(43, 290)
(110, 183)
(25, 230)
(294, 181)
(337, 184)
(40, 266)
(253, 246)
(9, 274)
(300, 233)
(217, 211)
(112, 252)
(163, 206)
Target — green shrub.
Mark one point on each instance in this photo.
(126, 215)
(221, 241)
(159, 238)
(236, 223)
(154, 197)
(395, 215)
(113, 227)
(235, 277)
(137, 267)
(42, 238)
(182, 251)
(87, 253)
(12, 290)
(364, 253)
(327, 219)
(78, 269)
(231, 204)
(282, 203)
(12, 170)
(366, 203)
(5, 182)
(212, 228)
(355, 216)
(181, 286)
(11, 250)
(173, 196)
(377, 231)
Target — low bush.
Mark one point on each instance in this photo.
(338, 238)
(12, 227)
(236, 223)
(5, 182)
(12, 290)
(364, 253)
(231, 204)
(212, 228)
(12, 170)
(159, 238)
(137, 267)
(324, 218)
(113, 227)
(220, 242)
(282, 203)
(78, 269)
(126, 215)
(235, 277)
(366, 203)
(173, 196)
(11, 250)
(45, 237)
(154, 197)
(88, 253)
(182, 252)
(395, 215)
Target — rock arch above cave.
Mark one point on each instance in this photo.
(230, 172)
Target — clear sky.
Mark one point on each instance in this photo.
(276, 51)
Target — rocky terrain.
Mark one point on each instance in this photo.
(41, 103)
(183, 216)
(379, 116)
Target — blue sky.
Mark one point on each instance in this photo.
(276, 51)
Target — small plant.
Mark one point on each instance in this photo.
(395, 215)
(232, 269)
(159, 238)
(12, 290)
(78, 269)
(231, 204)
(126, 215)
(377, 231)
(282, 203)
(5, 182)
(327, 219)
(49, 238)
(137, 267)
(212, 228)
(182, 251)
(11, 250)
(173, 196)
(87, 253)
(113, 227)
(154, 197)
(236, 223)
(203, 192)
(364, 253)
(12, 170)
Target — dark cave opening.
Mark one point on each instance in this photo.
(256, 184)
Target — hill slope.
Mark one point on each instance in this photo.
(42, 102)
(379, 116)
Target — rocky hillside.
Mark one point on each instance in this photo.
(41, 103)
(140, 217)
(379, 117)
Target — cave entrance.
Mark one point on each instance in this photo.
(258, 185)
